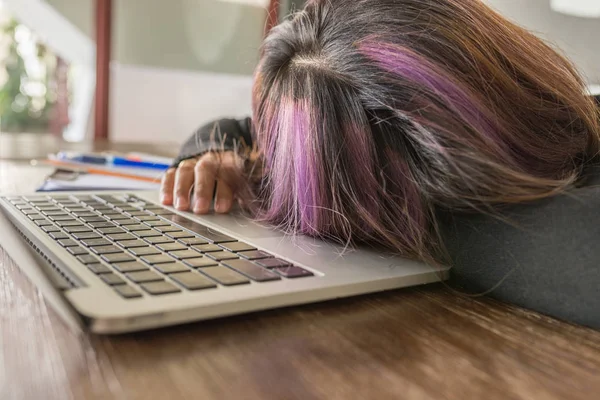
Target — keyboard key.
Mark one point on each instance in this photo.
(131, 266)
(68, 243)
(103, 210)
(49, 229)
(237, 246)
(93, 219)
(121, 236)
(116, 216)
(43, 223)
(117, 258)
(193, 241)
(222, 255)
(200, 262)
(65, 217)
(36, 217)
(171, 246)
(127, 244)
(157, 223)
(158, 259)
(112, 279)
(126, 221)
(58, 235)
(144, 276)
(206, 248)
(59, 198)
(182, 254)
(153, 207)
(59, 213)
(33, 199)
(72, 222)
(77, 229)
(216, 237)
(252, 270)
(147, 233)
(272, 262)
(157, 288)
(86, 235)
(168, 228)
(87, 259)
(105, 224)
(254, 254)
(128, 208)
(158, 239)
(77, 210)
(107, 249)
(171, 268)
(49, 208)
(112, 214)
(86, 213)
(225, 276)
(111, 231)
(193, 281)
(95, 242)
(73, 206)
(136, 214)
(99, 268)
(137, 227)
(77, 251)
(162, 213)
(292, 271)
(179, 235)
(146, 218)
(143, 251)
(107, 198)
(127, 291)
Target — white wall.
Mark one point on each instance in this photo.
(578, 38)
(159, 105)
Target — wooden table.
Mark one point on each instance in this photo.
(421, 343)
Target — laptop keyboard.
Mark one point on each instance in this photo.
(135, 246)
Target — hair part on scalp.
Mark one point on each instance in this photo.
(372, 114)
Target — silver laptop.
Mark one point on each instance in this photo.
(120, 262)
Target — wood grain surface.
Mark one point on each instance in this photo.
(420, 343)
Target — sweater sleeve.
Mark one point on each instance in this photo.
(224, 135)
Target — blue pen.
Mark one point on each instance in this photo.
(82, 158)
(124, 162)
(110, 160)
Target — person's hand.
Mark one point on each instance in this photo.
(202, 174)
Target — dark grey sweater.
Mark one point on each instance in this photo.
(545, 258)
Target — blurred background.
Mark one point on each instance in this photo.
(179, 63)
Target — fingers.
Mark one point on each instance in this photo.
(184, 179)
(166, 187)
(224, 198)
(205, 179)
(229, 173)
(223, 170)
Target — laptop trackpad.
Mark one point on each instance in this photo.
(236, 223)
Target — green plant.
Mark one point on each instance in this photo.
(20, 110)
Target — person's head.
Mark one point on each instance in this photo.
(370, 114)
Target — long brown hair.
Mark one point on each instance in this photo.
(370, 114)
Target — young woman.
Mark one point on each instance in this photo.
(434, 128)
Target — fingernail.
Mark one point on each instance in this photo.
(222, 206)
(179, 203)
(165, 198)
(201, 205)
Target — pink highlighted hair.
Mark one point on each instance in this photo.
(371, 114)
